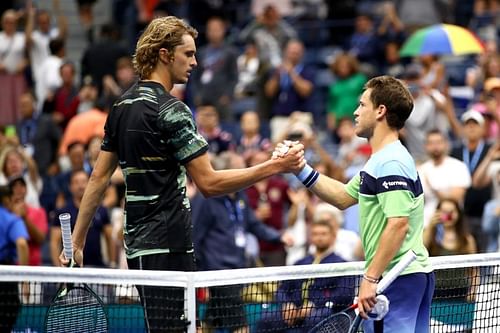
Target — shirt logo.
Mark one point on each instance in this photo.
(387, 184)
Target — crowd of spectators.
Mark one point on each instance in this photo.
(267, 71)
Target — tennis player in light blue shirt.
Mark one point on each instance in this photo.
(390, 197)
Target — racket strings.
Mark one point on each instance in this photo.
(77, 311)
(338, 323)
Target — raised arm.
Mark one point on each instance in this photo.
(430, 231)
(272, 84)
(30, 24)
(62, 22)
(449, 111)
(481, 178)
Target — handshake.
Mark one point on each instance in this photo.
(290, 156)
(282, 148)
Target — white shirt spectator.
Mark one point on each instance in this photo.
(50, 78)
(12, 50)
(451, 173)
(40, 49)
(346, 243)
(247, 73)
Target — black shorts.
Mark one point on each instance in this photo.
(163, 306)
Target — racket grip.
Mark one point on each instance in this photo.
(405, 261)
(65, 220)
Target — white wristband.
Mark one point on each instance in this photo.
(308, 176)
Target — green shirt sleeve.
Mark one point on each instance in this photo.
(352, 187)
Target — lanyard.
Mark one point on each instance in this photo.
(306, 285)
(212, 57)
(28, 129)
(235, 211)
(471, 164)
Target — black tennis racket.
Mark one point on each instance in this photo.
(75, 308)
(347, 321)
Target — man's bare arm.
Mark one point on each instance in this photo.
(332, 191)
(390, 242)
(212, 182)
(104, 168)
(328, 189)
(55, 245)
(22, 251)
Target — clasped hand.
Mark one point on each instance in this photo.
(290, 154)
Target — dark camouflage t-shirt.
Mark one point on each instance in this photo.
(154, 135)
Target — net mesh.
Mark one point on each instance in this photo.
(466, 299)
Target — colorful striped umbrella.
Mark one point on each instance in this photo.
(441, 39)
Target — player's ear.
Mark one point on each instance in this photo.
(381, 111)
(165, 56)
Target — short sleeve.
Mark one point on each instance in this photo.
(352, 187)
(109, 143)
(179, 130)
(17, 230)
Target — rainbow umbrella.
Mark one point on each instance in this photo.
(441, 39)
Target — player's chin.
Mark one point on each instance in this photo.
(360, 132)
(182, 78)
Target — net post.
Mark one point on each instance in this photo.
(190, 302)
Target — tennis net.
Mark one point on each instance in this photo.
(467, 296)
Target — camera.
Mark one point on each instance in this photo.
(295, 136)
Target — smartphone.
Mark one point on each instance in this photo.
(446, 216)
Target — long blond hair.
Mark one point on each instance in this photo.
(163, 32)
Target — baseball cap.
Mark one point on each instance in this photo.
(473, 115)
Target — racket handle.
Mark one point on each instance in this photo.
(405, 261)
(65, 220)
